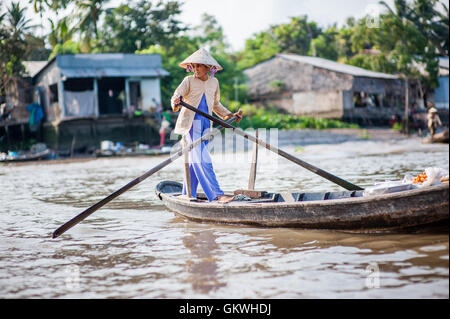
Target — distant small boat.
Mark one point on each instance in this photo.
(441, 137)
(346, 210)
(123, 153)
(45, 154)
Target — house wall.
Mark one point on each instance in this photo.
(326, 80)
(20, 93)
(150, 90)
(441, 94)
(303, 89)
(49, 76)
(295, 77)
(318, 103)
(370, 85)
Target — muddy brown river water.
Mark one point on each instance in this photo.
(135, 248)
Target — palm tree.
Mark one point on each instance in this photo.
(41, 6)
(89, 12)
(427, 19)
(4, 34)
(13, 47)
(60, 31)
(17, 20)
(2, 28)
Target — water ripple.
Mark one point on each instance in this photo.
(134, 248)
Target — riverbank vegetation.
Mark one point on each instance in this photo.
(271, 117)
(408, 33)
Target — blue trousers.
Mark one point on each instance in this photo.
(200, 164)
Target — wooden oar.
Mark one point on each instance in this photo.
(63, 228)
(337, 180)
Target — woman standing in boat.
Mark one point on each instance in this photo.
(200, 90)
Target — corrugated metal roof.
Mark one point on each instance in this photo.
(33, 67)
(336, 66)
(112, 72)
(109, 65)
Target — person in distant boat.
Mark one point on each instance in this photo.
(433, 119)
(202, 91)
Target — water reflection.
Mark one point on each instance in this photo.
(135, 248)
(202, 266)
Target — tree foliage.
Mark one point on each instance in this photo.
(325, 45)
(257, 49)
(410, 35)
(40, 6)
(407, 40)
(89, 13)
(297, 35)
(131, 27)
(208, 34)
(14, 28)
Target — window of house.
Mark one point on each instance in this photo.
(79, 84)
(135, 96)
(363, 99)
(53, 90)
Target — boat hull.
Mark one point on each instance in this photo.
(442, 137)
(412, 208)
(28, 157)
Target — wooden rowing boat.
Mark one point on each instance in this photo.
(149, 152)
(441, 137)
(347, 210)
(25, 157)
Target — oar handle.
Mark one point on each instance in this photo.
(209, 117)
(335, 179)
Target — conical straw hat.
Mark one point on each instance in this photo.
(201, 56)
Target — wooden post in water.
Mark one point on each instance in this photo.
(406, 120)
(22, 130)
(252, 177)
(8, 140)
(72, 148)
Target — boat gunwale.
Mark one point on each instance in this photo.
(381, 212)
(323, 202)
